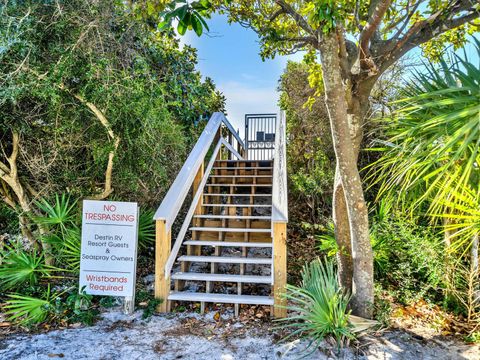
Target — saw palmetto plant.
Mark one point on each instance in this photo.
(434, 144)
(319, 305)
(21, 267)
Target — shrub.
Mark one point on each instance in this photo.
(408, 256)
(19, 266)
(408, 259)
(68, 306)
(8, 220)
(320, 305)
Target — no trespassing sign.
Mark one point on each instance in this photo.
(109, 247)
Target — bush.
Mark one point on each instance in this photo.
(68, 306)
(310, 151)
(19, 267)
(408, 256)
(8, 220)
(319, 305)
(408, 259)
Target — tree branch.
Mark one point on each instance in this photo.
(299, 19)
(357, 16)
(343, 54)
(12, 160)
(302, 39)
(116, 141)
(407, 21)
(370, 29)
(277, 14)
(425, 30)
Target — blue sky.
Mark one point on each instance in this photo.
(229, 55)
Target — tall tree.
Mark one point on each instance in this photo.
(357, 41)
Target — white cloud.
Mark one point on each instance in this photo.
(245, 98)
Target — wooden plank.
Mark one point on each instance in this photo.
(226, 229)
(191, 249)
(222, 298)
(194, 276)
(239, 185)
(162, 252)
(236, 195)
(243, 168)
(226, 260)
(279, 268)
(234, 217)
(199, 209)
(230, 243)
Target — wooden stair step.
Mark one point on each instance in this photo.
(244, 168)
(228, 243)
(220, 298)
(230, 229)
(225, 259)
(260, 195)
(240, 185)
(192, 276)
(238, 205)
(240, 176)
(239, 217)
(243, 161)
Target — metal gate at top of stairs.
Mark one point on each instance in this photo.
(260, 136)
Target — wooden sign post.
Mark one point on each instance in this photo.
(109, 249)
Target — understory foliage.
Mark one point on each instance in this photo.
(423, 184)
(93, 104)
(35, 292)
(319, 306)
(408, 255)
(429, 166)
(309, 153)
(100, 106)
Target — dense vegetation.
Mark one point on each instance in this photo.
(420, 168)
(94, 105)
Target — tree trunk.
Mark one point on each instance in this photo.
(342, 235)
(337, 103)
(356, 111)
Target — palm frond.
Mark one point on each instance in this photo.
(146, 229)
(20, 266)
(27, 310)
(435, 136)
(320, 305)
(60, 214)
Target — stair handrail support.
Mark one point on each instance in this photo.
(279, 218)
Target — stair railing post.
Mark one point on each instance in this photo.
(279, 218)
(280, 269)
(230, 141)
(199, 209)
(162, 252)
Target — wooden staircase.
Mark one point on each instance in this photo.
(227, 250)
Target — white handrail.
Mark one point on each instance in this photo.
(279, 187)
(173, 200)
(235, 134)
(193, 206)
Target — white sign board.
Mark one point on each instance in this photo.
(109, 247)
